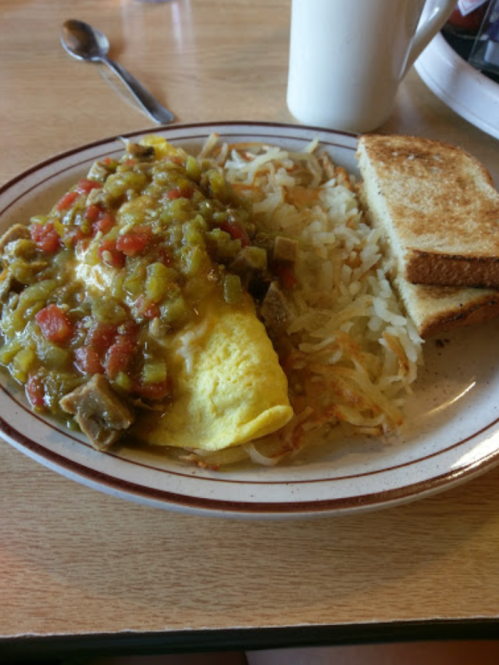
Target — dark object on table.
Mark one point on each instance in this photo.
(478, 46)
(485, 52)
(470, 23)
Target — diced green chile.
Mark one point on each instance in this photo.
(184, 224)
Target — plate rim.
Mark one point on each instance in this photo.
(216, 508)
(161, 498)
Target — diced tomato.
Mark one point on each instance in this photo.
(151, 311)
(35, 391)
(119, 356)
(93, 212)
(154, 391)
(237, 232)
(180, 192)
(105, 223)
(85, 186)
(134, 242)
(87, 360)
(286, 275)
(110, 255)
(129, 329)
(101, 336)
(54, 324)
(45, 237)
(100, 219)
(146, 308)
(67, 201)
(173, 194)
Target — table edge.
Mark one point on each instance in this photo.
(37, 648)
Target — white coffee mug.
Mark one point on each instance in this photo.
(347, 57)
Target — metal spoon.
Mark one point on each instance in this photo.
(84, 42)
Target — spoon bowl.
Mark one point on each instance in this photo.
(84, 42)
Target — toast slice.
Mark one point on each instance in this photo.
(438, 208)
(436, 310)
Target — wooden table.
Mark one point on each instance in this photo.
(78, 567)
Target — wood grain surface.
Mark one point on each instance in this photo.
(75, 561)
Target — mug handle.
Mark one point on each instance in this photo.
(428, 30)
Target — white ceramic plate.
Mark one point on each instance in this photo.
(452, 430)
(467, 91)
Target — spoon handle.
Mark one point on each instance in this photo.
(150, 105)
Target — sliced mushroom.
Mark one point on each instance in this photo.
(275, 309)
(99, 412)
(98, 171)
(285, 250)
(144, 153)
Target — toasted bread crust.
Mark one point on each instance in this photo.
(435, 310)
(471, 313)
(435, 269)
(438, 206)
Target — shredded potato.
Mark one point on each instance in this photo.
(349, 352)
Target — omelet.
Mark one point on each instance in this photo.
(229, 386)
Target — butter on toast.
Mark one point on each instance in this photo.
(438, 208)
